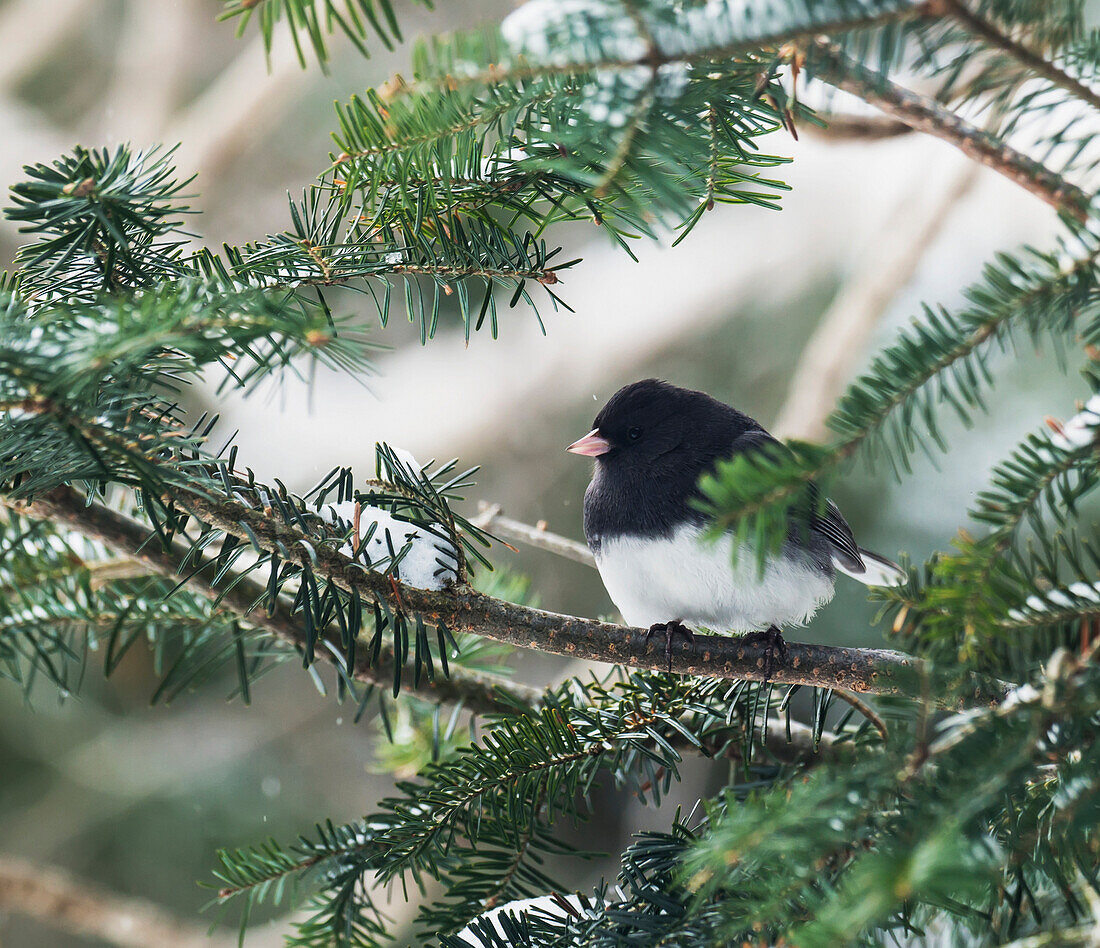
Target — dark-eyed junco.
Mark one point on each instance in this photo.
(652, 441)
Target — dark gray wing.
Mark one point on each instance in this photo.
(831, 525)
(827, 524)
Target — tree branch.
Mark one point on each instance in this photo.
(765, 38)
(50, 896)
(493, 521)
(1027, 57)
(837, 344)
(481, 693)
(839, 127)
(874, 671)
(463, 609)
(926, 115)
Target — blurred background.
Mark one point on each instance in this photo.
(137, 798)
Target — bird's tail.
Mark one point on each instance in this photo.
(877, 570)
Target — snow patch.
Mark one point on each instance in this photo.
(430, 561)
(546, 906)
(1080, 430)
(1056, 599)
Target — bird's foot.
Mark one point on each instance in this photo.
(670, 629)
(774, 647)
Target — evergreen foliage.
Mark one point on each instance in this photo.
(976, 827)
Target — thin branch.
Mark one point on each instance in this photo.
(865, 709)
(523, 70)
(493, 521)
(837, 344)
(856, 127)
(926, 115)
(1027, 57)
(462, 609)
(479, 692)
(793, 742)
(55, 899)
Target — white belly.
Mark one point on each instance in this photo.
(684, 578)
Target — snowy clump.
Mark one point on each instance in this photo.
(564, 31)
(546, 906)
(394, 257)
(1055, 599)
(406, 457)
(495, 164)
(429, 562)
(714, 23)
(1080, 430)
(610, 98)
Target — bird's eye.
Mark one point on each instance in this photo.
(634, 433)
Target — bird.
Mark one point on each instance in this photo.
(652, 442)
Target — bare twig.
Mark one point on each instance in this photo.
(873, 671)
(491, 519)
(865, 709)
(837, 344)
(54, 898)
(861, 127)
(926, 115)
(107, 571)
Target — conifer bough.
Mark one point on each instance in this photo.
(463, 609)
(637, 115)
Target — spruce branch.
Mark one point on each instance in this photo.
(749, 38)
(312, 21)
(481, 693)
(923, 114)
(989, 32)
(461, 609)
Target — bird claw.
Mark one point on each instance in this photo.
(670, 629)
(774, 646)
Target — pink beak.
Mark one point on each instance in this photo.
(592, 444)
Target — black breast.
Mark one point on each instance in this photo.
(620, 502)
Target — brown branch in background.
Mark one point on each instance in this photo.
(857, 127)
(54, 898)
(490, 519)
(863, 708)
(1027, 57)
(926, 115)
(836, 346)
(793, 742)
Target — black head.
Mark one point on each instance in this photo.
(651, 424)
